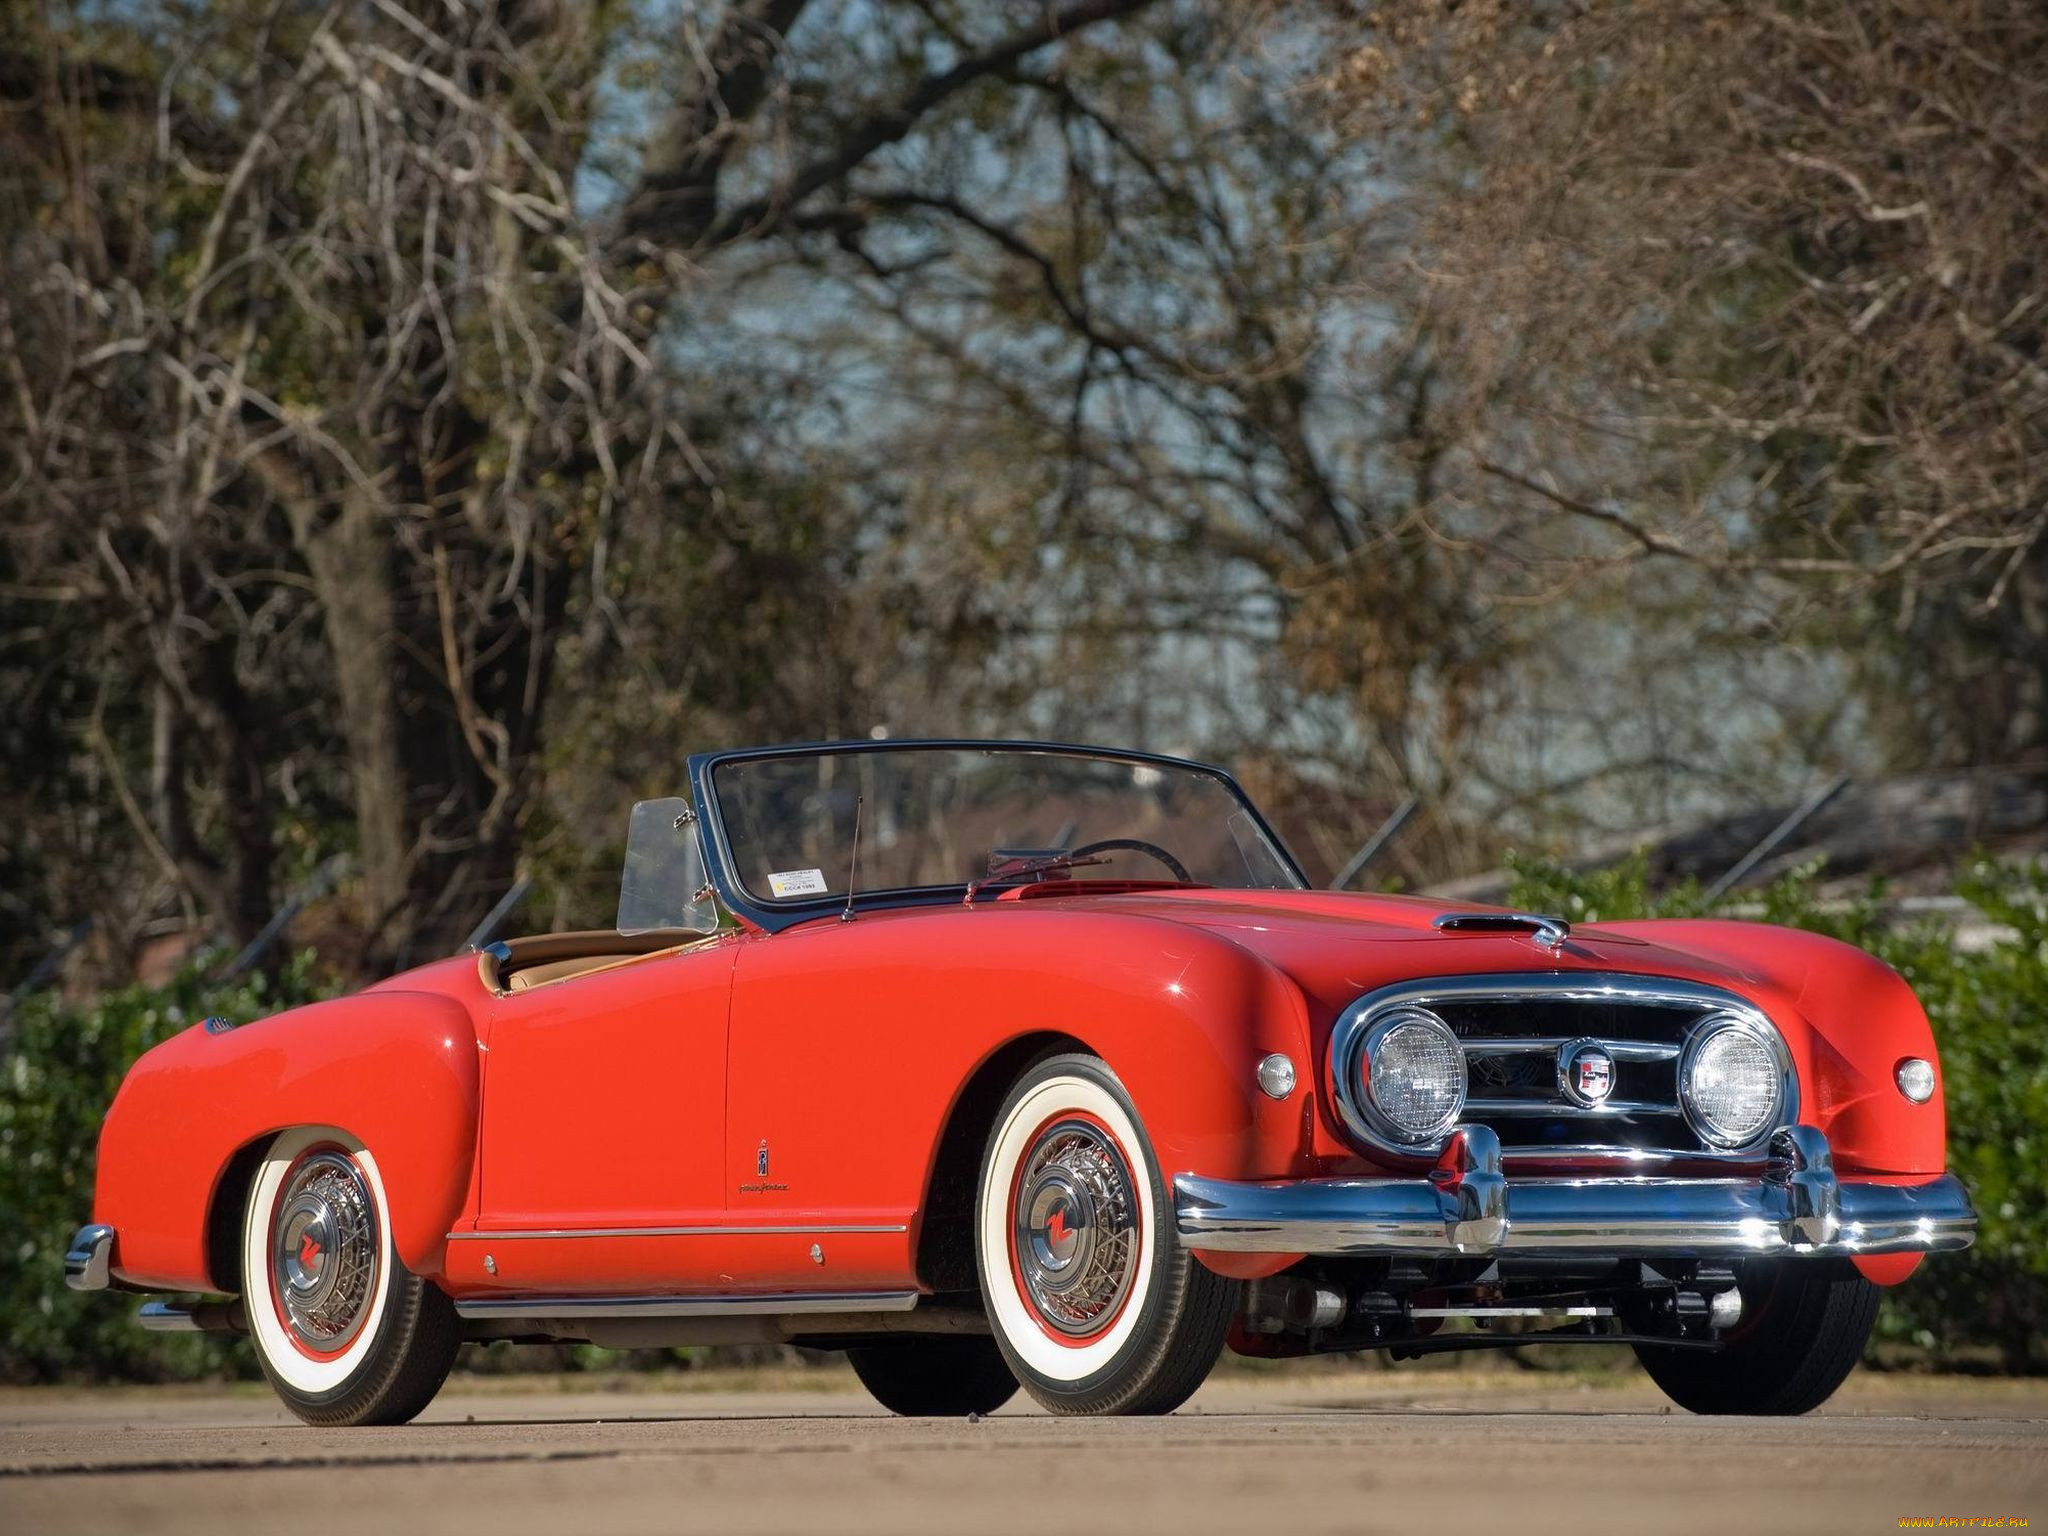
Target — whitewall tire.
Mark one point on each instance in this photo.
(344, 1332)
(1092, 1300)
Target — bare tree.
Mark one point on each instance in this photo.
(319, 305)
(1096, 355)
(1754, 287)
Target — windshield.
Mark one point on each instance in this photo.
(983, 816)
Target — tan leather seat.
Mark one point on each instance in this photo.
(522, 964)
(562, 970)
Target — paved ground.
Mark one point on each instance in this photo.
(1250, 1456)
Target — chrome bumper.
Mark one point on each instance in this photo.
(1465, 1206)
(88, 1263)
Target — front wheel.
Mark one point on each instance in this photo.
(1093, 1302)
(1804, 1325)
(346, 1334)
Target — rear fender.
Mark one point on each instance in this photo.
(397, 1071)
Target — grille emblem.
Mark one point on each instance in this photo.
(1586, 1072)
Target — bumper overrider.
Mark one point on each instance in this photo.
(1797, 1208)
(88, 1263)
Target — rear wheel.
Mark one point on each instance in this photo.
(944, 1378)
(346, 1334)
(1094, 1303)
(1804, 1325)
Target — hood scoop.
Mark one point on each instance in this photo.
(1550, 932)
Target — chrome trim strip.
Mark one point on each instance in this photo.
(514, 1234)
(89, 1262)
(1797, 1208)
(1546, 1045)
(687, 1306)
(1616, 1161)
(1550, 1109)
(1347, 1036)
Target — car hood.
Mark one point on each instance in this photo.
(1336, 946)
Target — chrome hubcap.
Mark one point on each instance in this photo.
(1076, 1230)
(323, 1262)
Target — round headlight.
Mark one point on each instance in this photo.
(1731, 1082)
(1415, 1074)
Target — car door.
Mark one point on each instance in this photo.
(603, 1127)
(831, 1115)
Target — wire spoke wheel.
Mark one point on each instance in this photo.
(1075, 1235)
(1092, 1300)
(345, 1332)
(324, 1252)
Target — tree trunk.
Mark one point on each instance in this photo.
(349, 562)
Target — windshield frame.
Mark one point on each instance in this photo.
(772, 918)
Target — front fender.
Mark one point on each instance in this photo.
(396, 1070)
(1187, 1042)
(831, 1020)
(1849, 1020)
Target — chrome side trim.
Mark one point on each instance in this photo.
(516, 1233)
(1798, 1208)
(687, 1306)
(89, 1262)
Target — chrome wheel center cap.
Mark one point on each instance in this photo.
(324, 1252)
(1061, 1221)
(305, 1240)
(1075, 1228)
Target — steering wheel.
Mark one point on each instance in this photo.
(1135, 845)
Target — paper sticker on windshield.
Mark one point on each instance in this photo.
(797, 882)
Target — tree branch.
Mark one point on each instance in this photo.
(676, 198)
(889, 124)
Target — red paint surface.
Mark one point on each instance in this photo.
(395, 1069)
(1887, 1268)
(604, 1106)
(641, 1095)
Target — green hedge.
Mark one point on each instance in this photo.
(60, 1072)
(1989, 1009)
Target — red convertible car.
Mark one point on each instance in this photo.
(1000, 1064)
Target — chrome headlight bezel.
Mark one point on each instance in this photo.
(1784, 1081)
(1360, 1109)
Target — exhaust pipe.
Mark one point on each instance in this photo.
(193, 1317)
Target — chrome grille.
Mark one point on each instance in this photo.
(1518, 1075)
(1515, 1031)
